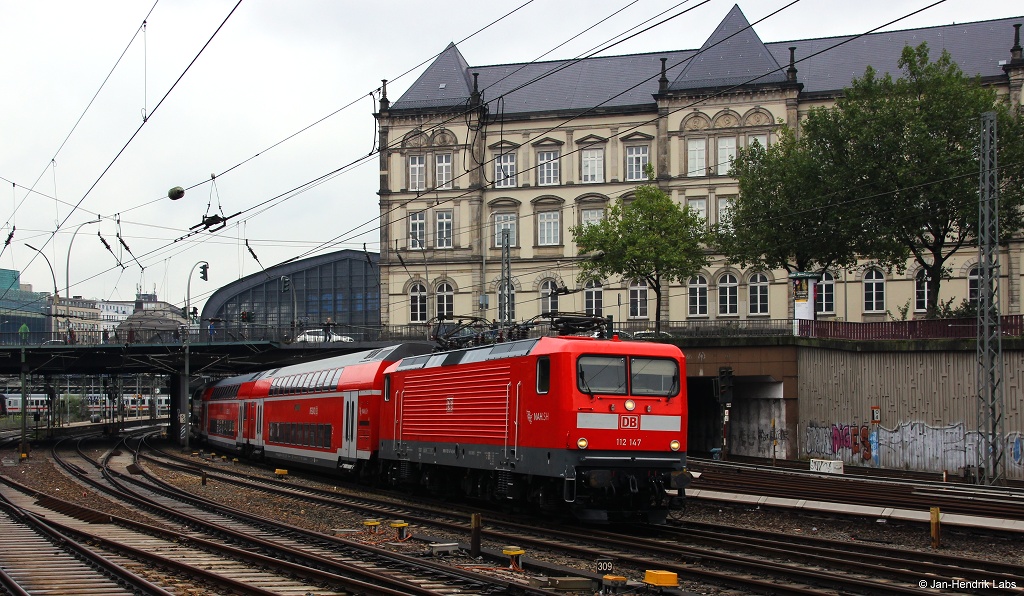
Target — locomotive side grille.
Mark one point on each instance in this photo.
(437, 405)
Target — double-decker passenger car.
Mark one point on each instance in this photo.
(322, 413)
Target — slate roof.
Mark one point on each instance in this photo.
(446, 82)
(617, 82)
(733, 55)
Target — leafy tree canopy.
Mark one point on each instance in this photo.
(778, 220)
(649, 238)
(893, 168)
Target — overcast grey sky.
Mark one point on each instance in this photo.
(274, 68)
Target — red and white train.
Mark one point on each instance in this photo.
(93, 404)
(594, 425)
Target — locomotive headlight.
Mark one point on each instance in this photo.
(630, 404)
(648, 409)
(582, 443)
(674, 445)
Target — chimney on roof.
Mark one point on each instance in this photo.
(1015, 51)
(663, 81)
(791, 71)
(384, 103)
(474, 98)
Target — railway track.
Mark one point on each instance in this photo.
(38, 557)
(767, 563)
(323, 562)
(964, 499)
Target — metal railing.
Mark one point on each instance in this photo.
(1012, 326)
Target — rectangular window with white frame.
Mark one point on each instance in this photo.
(417, 229)
(547, 168)
(417, 172)
(505, 170)
(443, 171)
(638, 300)
(726, 153)
(504, 221)
(761, 139)
(696, 157)
(592, 166)
(443, 229)
(636, 162)
(724, 206)
(699, 207)
(548, 228)
(591, 216)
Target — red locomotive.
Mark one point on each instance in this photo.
(598, 426)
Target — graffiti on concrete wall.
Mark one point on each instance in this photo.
(910, 445)
(759, 442)
(855, 438)
(839, 439)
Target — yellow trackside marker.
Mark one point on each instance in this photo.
(660, 578)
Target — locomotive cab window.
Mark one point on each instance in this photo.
(653, 376)
(601, 374)
(543, 375)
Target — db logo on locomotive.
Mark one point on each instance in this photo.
(630, 422)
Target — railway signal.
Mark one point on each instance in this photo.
(725, 385)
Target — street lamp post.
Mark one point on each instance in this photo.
(67, 264)
(56, 296)
(188, 334)
(24, 386)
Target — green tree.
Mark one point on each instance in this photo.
(778, 220)
(903, 153)
(649, 238)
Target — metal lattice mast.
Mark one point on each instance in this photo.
(505, 291)
(991, 460)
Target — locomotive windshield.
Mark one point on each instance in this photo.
(608, 374)
(601, 374)
(653, 376)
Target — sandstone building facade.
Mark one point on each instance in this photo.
(468, 152)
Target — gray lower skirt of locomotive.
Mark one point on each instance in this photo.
(550, 463)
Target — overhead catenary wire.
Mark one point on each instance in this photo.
(314, 183)
(802, 58)
(137, 130)
(74, 127)
(332, 245)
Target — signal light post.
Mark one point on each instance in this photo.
(204, 275)
(286, 286)
(725, 391)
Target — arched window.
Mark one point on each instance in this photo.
(825, 297)
(548, 297)
(973, 286)
(697, 290)
(593, 298)
(638, 300)
(758, 294)
(874, 291)
(728, 295)
(921, 291)
(417, 303)
(445, 301)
